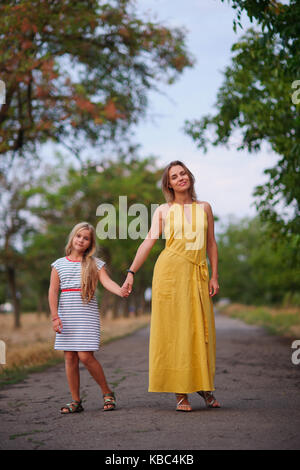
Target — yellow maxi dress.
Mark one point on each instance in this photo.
(182, 348)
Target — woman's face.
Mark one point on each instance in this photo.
(179, 180)
(81, 240)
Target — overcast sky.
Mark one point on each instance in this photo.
(224, 177)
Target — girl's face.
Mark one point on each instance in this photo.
(179, 180)
(81, 240)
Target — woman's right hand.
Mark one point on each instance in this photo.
(57, 325)
(128, 283)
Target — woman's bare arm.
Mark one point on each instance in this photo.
(146, 246)
(212, 250)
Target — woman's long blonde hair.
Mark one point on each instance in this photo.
(89, 272)
(168, 191)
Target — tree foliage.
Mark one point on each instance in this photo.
(79, 71)
(252, 268)
(257, 104)
(15, 223)
(276, 19)
(67, 196)
(75, 73)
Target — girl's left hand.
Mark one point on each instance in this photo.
(57, 325)
(213, 286)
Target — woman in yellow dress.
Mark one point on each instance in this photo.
(182, 350)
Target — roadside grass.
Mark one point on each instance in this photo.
(283, 321)
(30, 348)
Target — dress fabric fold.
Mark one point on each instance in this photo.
(182, 348)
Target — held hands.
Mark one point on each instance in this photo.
(127, 286)
(124, 291)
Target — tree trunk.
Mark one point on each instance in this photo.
(126, 307)
(11, 275)
(142, 304)
(139, 302)
(39, 306)
(116, 306)
(105, 302)
(45, 303)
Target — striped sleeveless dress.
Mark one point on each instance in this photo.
(80, 321)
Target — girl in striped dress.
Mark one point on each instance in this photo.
(75, 316)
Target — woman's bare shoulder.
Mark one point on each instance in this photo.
(206, 206)
(161, 211)
(164, 205)
(203, 203)
(163, 208)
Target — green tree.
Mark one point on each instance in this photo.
(75, 73)
(78, 72)
(252, 269)
(15, 222)
(258, 105)
(67, 196)
(276, 19)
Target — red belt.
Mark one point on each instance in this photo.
(70, 290)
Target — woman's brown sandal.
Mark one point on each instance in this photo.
(209, 399)
(73, 407)
(182, 406)
(109, 401)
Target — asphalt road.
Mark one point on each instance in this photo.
(256, 383)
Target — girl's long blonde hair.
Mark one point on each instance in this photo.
(89, 272)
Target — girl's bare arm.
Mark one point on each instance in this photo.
(109, 284)
(53, 300)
